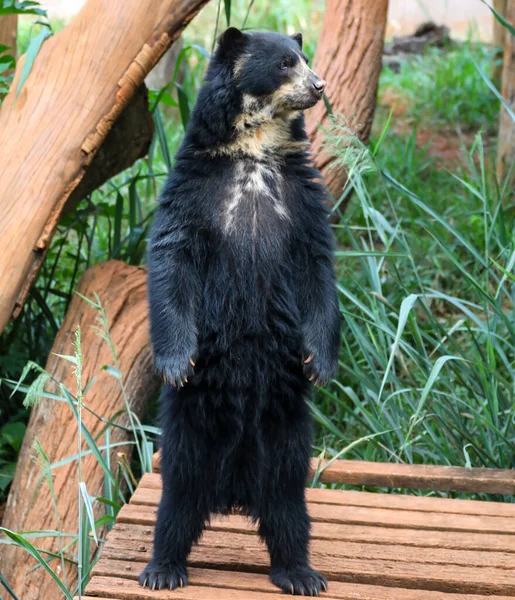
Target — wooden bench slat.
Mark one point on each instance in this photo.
(131, 590)
(421, 477)
(149, 493)
(363, 534)
(142, 540)
(229, 554)
(378, 517)
(247, 588)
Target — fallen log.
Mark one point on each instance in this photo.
(122, 291)
(349, 57)
(80, 83)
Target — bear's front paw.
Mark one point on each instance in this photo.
(301, 581)
(174, 370)
(318, 369)
(157, 577)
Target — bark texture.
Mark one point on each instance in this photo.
(128, 140)
(122, 290)
(8, 32)
(349, 58)
(499, 40)
(506, 148)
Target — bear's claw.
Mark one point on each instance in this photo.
(157, 577)
(302, 581)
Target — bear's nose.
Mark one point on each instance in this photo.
(319, 85)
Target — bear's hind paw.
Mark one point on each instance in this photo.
(156, 577)
(301, 581)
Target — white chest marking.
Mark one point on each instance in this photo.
(250, 196)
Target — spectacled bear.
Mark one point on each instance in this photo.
(243, 309)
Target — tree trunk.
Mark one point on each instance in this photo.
(80, 83)
(349, 57)
(128, 140)
(506, 149)
(8, 32)
(499, 40)
(8, 35)
(122, 290)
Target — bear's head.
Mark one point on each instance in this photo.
(271, 69)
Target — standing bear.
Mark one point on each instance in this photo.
(243, 309)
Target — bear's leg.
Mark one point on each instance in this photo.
(284, 523)
(183, 510)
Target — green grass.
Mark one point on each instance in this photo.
(443, 87)
(429, 337)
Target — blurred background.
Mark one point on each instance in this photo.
(404, 16)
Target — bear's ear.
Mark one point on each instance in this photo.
(298, 38)
(229, 39)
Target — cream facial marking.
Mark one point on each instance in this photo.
(301, 76)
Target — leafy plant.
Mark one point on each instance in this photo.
(443, 87)
(11, 438)
(74, 548)
(7, 61)
(429, 343)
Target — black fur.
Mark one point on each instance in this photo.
(248, 305)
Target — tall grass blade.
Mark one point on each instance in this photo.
(89, 510)
(406, 306)
(30, 57)
(26, 545)
(500, 18)
(10, 591)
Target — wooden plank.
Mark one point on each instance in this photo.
(325, 548)
(238, 553)
(226, 585)
(403, 519)
(421, 477)
(367, 535)
(131, 590)
(149, 493)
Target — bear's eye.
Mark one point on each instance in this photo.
(286, 63)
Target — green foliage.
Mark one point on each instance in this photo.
(501, 19)
(7, 63)
(429, 335)
(75, 547)
(32, 45)
(11, 7)
(443, 87)
(11, 437)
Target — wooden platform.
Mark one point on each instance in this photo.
(370, 546)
